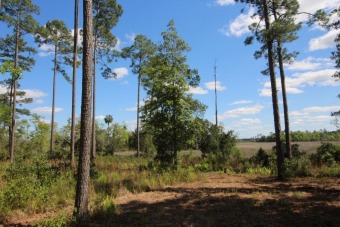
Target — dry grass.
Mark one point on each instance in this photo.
(251, 148)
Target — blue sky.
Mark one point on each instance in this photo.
(215, 31)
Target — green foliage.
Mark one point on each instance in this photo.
(56, 33)
(169, 111)
(298, 167)
(327, 153)
(113, 139)
(27, 184)
(106, 14)
(300, 136)
(212, 139)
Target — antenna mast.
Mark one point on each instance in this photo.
(215, 67)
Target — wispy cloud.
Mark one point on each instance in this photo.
(197, 91)
(240, 102)
(310, 63)
(121, 72)
(46, 50)
(100, 117)
(313, 117)
(297, 81)
(323, 42)
(239, 26)
(250, 110)
(46, 110)
(211, 86)
(225, 2)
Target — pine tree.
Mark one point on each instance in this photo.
(55, 33)
(17, 14)
(83, 179)
(105, 16)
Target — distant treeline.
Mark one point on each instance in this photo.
(299, 136)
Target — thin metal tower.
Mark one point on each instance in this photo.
(215, 69)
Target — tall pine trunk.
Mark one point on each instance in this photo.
(284, 94)
(14, 96)
(269, 42)
(74, 84)
(93, 150)
(285, 102)
(82, 190)
(138, 110)
(53, 100)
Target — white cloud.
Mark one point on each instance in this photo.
(313, 117)
(100, 117)
(321, 109)
(225, 2)
(239, 26)
(46, 50)
(241, 102)
(38, 101)
(131, 109)
(118, 45)
(121, 72)
(323, 42)
(30, 93)
(248, 121)
(251, 110)
(46, 110)
(80, 35)
(131, 124)
(211, 86)
(197, 91)
(312, 7)
(310, 63)
(34, 93)
(299, 80)
(130, 37)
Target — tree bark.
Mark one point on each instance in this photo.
(285, 102)
(74, 85)
(284, 95)
(93, 150)
(138, 103)
(82, 190)
(16, 64)
(53, 99)
(269, 41)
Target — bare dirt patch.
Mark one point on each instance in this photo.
(218, 199)
(234, 200)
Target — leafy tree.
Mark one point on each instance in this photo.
(105, 16)
(139, 53)
(17, 14)
(83, 179)
(169, 111)
(56, 33)
(39, 136)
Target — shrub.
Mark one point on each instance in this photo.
(298, 167)
(27, 184)
(327, 153)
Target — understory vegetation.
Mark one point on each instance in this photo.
(36, 183)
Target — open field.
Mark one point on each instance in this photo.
(250, 148)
